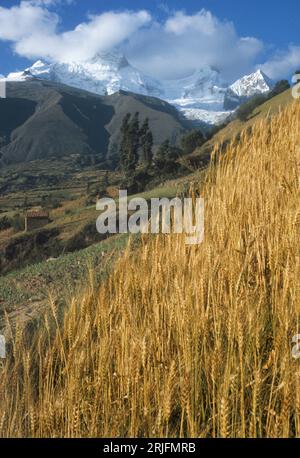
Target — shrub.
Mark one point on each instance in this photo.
(192, 140)
(245, 110)
(4, 223)
(17, 222)
(279, 87)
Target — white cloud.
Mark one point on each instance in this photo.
(43, 2)
(49, 2)
(100, 33)
(33, 29)
(169, 49)
(283, 64)
(25, 20)
(202, 22)
(186, 42)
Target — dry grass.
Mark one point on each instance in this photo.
(182, 341)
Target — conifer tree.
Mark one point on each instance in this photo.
(130, 143)
(133, 143)
(146, 139)
(124, 147)
(166, 157)
(162, 155)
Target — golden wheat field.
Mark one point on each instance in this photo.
(182, 341)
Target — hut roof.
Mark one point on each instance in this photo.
(37, 214)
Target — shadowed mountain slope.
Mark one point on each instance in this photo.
(41, 120)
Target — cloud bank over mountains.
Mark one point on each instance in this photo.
(283, 63)
(170, 49)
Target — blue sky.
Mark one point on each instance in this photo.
(163, 38)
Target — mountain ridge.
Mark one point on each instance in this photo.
(42, 119)
(202, 97)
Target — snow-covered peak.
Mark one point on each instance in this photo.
(106, 73)
(250, 85)
(16, 76)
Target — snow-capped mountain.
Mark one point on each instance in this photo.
(202, 96)
(249, 85)
(106, 73)
(245, 88)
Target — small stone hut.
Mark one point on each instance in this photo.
(34, 219)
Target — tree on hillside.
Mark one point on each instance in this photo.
(279, 87)
(192, 140)
(129, 143)
(146, 142)
(161, 155)
(134, 143)
(166, 157)
(124, 146)
(247, 108)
